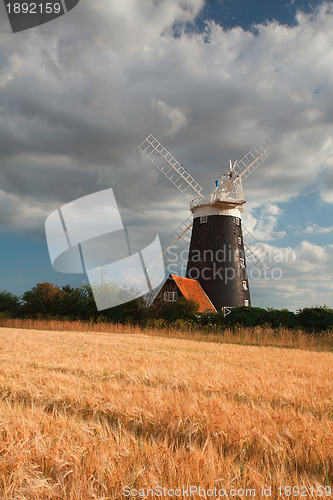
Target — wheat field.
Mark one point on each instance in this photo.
(94, 415)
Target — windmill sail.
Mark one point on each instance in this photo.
(182, 236)
(254, 250)
(254, 157)
(170, 167)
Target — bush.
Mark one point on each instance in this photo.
(283, 317)
(186, 325)
(132, 312)
(315, 319)
(158, 323)
(204, 319)
(247, 316)
(179, 309)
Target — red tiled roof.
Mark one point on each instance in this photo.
(191, 289)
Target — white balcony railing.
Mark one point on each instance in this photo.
(217, 196)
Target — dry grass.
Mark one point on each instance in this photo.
(259, 336)
(84, 414)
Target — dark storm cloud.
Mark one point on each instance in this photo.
(78, 96)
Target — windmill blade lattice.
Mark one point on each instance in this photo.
(182, 236)
(170, 167)
(254, 157)
(254, 250)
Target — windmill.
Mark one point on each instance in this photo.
(219, 242)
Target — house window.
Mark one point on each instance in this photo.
(170, 296)
(203, 219)
(238, 221)
(242, 262)
(244, 285)
(246, 302)
(239, 240)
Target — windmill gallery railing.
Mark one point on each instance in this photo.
(236, 195)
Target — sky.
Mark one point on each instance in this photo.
(209, 79)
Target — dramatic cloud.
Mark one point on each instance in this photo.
(80, 95)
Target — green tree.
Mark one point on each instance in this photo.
(40, 299)
(74, 302)
(9, 303)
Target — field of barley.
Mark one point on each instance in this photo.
(99, 415)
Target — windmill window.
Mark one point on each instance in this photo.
(244, 285)
(239, 240)
(203, 219)
(238, 221)
(242, 262)
(246, 302)
(170, 296)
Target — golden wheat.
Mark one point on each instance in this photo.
(84, 414)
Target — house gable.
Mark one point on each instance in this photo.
(177, 286)
(169, 287)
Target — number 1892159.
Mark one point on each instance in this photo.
(33, 8)
(305, 491)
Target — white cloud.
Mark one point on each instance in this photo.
(177, 116)
(131, 26)
(263, 227)
(297, 278)
(326, 183)
(315, 229)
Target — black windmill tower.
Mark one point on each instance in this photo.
(219, 242)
